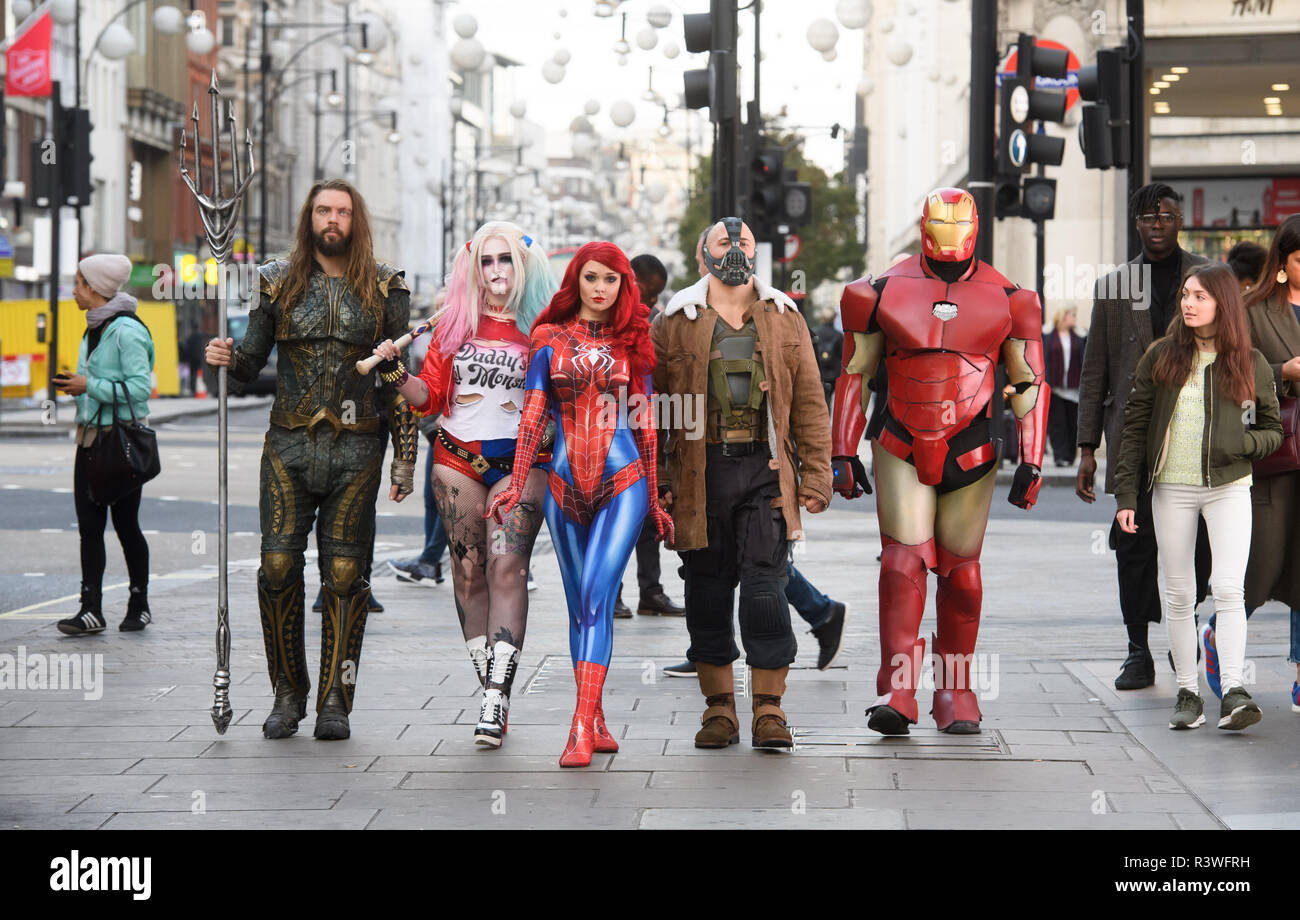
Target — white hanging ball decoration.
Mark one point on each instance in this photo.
(553, 71)
(580, 125)
(830, 55)
(853, 14)
(64, 12)
(200, 41)
(622, 113)
(519, 108)
(467, 54)
(22, 9)
(865, 85)
(671, 50)
(280, 49)
(887, 26)
(592, 107)
(656, 192)
(659, 16)
(117, 42)
(899, 51)
(562, 57)
(465, 25)
(166, 19)
(822, 34)
(647, 38)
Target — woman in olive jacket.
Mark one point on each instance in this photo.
(1203, 407)
(1273, 573)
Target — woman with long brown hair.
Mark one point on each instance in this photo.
(1202, 408)
(1273, 312)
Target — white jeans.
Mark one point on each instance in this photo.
(1227, 514)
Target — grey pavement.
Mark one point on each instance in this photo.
(29, 419)
(1060, 747)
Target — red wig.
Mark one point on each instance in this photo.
(627, 321)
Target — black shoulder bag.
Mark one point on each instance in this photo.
(122, 458)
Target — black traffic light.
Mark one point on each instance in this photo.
(74, 157)
(1022, 104)
(713, 87)
(1105, 130)
(766, 176)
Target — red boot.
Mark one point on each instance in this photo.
(590, 678)
(902, 602)
(957, 609)
(605, 743)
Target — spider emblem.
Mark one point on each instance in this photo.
(594, 358)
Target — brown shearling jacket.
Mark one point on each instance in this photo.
(798, 419)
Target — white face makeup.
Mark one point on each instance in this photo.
(496, 270)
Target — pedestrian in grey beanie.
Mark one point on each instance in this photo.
(116, 353)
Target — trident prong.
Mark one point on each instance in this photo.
(220, 215)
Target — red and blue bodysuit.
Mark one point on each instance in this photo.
(601, 479)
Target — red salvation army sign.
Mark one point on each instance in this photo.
(1070, 82)
(27, 61)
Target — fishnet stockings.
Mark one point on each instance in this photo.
(489, 561)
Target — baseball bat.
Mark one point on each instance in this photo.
(366, 365)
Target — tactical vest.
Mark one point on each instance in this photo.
(735, 398)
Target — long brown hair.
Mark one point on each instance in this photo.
(1268, 290)
(1234, 368)
(360, 274)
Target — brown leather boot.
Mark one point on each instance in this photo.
(721, 724)
(769, 729)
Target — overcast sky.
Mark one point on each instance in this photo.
(816, 92)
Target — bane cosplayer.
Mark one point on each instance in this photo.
(940, 321)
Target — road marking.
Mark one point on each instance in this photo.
(51, 530)
(17, 614)
(10, 485)
(33, 574)
(168, 498)
(62, 491)
(151, 533)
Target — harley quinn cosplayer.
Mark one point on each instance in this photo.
(473, 376)
(590, 347)
(940, 321)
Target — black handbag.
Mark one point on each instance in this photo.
(122, 458)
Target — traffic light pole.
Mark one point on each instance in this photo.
(56, 209)
(1137, 115)
(725, 18)
(983, 85)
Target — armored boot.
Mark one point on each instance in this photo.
(491, 728)
(590, 678)
(957, 607)
(769, 729)
(902, 602)
(720, 725)
(280, 601)
(342, 628)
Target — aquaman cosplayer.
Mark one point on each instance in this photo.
(323, 308)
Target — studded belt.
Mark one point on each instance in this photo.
(477, 462)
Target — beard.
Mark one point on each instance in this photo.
(331, 246)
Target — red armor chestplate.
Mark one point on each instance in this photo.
(942, 348)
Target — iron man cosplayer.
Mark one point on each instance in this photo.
(940, 321)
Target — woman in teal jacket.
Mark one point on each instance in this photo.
(1203, 406)
(116, 352)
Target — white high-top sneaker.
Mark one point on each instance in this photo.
(493, 714)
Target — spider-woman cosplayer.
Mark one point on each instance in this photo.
(940, 321)
(473, 376)
(590, 353)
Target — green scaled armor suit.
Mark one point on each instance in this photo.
(322, 458)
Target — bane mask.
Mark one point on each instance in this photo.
(734, 268)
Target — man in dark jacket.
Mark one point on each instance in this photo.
(1132, 307)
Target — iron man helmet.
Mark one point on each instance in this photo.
(949, 225)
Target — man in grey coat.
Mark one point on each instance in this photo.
(1132, 307)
